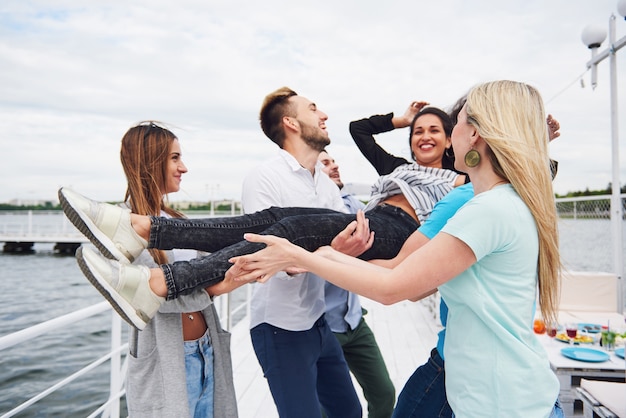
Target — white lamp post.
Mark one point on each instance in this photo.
(593, 37)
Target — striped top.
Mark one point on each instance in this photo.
(422, 187)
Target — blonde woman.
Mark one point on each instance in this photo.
(488, 262)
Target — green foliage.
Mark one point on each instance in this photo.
(46, 206)
(192, 207)
(588, 192)
(222, 207)
(206, 207)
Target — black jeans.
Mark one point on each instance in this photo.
(309, 228)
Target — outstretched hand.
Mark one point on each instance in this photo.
(278, 255)
(356, 238)
(228, 284)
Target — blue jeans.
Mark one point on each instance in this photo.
(200, 382)
(557, 412)
(424, 394)
(305, 369)
(309, 228)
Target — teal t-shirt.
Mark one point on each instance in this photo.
(495, 366)
(444, 210)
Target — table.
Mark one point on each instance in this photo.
(569, 372)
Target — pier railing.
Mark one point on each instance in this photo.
(585, 207)
(111, 408)
(21, 230)
(231, 309)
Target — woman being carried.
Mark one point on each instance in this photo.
(121, 236)
(431, 149)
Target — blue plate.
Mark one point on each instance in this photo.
(620, 352)
(585, 354)
(590, 328)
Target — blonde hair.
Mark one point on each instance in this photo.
(510, 117)
(145, 155)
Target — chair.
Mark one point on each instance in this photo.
(590, 297)
(602, 399)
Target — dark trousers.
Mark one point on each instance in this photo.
(305, 369)
(424, 394)
(368, 367)
(309, 228)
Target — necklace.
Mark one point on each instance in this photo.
(497, 183)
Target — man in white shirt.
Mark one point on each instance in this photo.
(300, 357)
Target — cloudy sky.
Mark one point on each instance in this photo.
(75, 75)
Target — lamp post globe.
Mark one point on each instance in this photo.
(593, 35)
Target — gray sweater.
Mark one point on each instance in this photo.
(156, 384)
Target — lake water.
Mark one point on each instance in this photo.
(38, 287)
(44, 285)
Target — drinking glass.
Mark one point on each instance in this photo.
(551, 330)
(608, 339)
(572, 330)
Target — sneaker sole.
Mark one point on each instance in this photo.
(90, 230)
(121, 306)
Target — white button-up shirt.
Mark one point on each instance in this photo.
(291, 303)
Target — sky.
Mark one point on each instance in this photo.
(75, 75)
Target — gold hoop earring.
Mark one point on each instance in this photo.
(472, 158)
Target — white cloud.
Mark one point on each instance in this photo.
(76, 75)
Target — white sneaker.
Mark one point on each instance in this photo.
(107, 226)
(125, 286)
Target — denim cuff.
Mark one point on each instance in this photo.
(169, 281)
(155, 226)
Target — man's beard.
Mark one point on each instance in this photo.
(313, 136)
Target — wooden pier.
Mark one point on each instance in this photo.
(20, 231)
(16, 244)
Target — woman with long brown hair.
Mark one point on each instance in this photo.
(179, 365)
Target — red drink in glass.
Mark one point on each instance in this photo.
(571, 332)
(551, 332)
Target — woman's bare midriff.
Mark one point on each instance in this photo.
(194, 326)
(399, 201)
